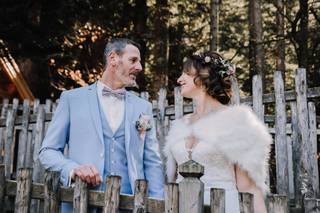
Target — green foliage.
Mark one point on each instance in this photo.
(65, 39)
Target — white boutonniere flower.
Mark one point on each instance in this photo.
(143, 124)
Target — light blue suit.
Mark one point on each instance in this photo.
(77, 121)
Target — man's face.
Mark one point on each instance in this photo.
(128, 66)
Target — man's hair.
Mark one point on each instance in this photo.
(117, 45)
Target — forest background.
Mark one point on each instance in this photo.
(58, 45)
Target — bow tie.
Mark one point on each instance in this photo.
(119, 94)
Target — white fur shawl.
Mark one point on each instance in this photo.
(236, 132)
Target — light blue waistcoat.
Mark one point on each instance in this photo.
(115, 154)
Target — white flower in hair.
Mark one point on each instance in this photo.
(207, 59)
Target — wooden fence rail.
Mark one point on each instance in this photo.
(111, 200)
(290, 116)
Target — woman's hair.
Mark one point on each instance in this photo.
(212, 72)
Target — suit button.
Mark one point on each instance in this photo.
(112, 150)
(101, 155)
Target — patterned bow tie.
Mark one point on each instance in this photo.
(119, 94)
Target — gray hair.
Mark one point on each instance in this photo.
(117, 45)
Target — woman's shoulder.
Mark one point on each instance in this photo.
(178, 130)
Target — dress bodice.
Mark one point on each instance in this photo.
(217, 168)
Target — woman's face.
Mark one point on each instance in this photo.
(188, 88)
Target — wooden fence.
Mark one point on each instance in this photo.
(290, 116)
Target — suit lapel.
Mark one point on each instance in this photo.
(94, 109)
(132, 167)
(128, 119)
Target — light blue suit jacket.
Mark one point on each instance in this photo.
(77, 122)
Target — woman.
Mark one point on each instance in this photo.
(229, 141)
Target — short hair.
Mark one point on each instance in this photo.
(117, 45)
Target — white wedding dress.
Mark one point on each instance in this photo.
(227, 137)
(218, 171)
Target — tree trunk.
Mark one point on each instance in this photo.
(140, 26)
(280, 49)
(214, 26)
(303, 35)
(256, 50)
(161, 45)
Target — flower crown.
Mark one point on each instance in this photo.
(225, 68)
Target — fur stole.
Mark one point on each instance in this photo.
(236, 132)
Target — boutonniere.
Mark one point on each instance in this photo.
(143, 124)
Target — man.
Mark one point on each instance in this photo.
(98, 123)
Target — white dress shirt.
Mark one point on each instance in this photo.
(112, 107)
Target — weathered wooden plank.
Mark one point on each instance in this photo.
(4, 110)
(32, 119)
(23, 193)
(37, 137)
(312, 205)
(140, 196)
(290, 168)
(281, 136)
(35, 204)
(312, 151)
(303, 123)
(296, 154)
(9, 137)
(161, 117)
(246, 202)
(23, 137)
(30, 144)
(51, 192)
(277, 203)
(80, 196)
(235, 99)
(178, 103)
(112, 194)
(217, 200)
(191, 188)
(2, 187)
(257, 92)
(48, 105)
(289, 96)
(171, 198)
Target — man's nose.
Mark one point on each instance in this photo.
(139, 67)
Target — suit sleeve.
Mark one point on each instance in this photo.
(153, 166)
(51, 153)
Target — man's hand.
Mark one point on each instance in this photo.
(88, 173)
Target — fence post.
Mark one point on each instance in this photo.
(312, 152)
(80, 196)
(296, 154)
(140, 196)
(217, 200)
(281, 136)
(23, 136)
(23, 193)
(112, 194)
(171, 198)
(3, 115)
(246, 202)
(302, 107)
(311, 205)
(9, 136)
(51, 192)
(178, 103)
(235, 98)
(277, 203)
(2, 187)
(191, 188)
